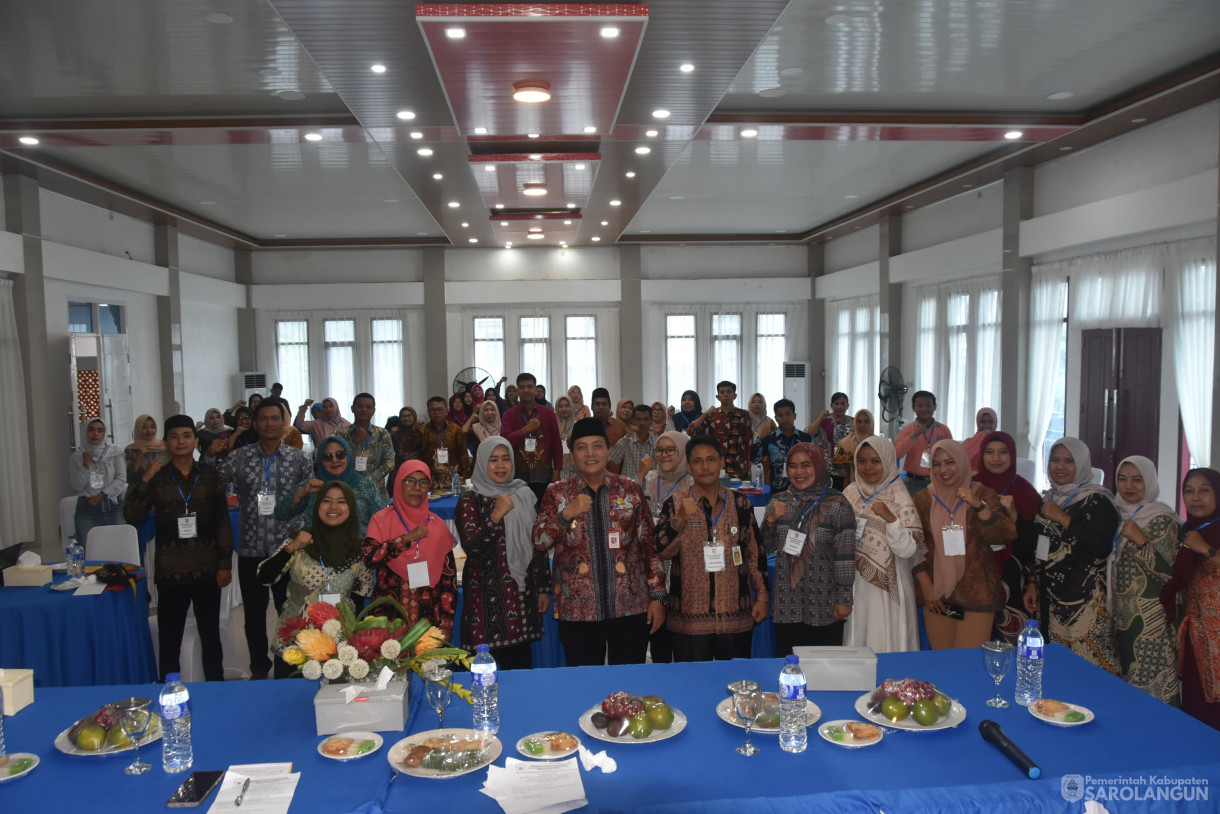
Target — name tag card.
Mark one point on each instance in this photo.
(332, 599)
(1043, 551)
(713, 558)
(417, 575)
(96, 479)
(925, 460)
(737, 555)
(954, 538)
(442, 456)
(861, 524)
(187, 527)
(531, 444)
(794, 543)
(614, 539)
(266, 504)
(362, 463)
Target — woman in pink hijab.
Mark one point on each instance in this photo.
(322, 428)
(985, 421)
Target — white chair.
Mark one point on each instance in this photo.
(113, 544)
(67, 521)
(1025, 468)
(1099, 477)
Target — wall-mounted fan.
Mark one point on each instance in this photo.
(470, 377)
(891, 390)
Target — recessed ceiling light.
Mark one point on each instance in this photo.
(389, 200)
(645, 231)
(503, 223)
(570, 205)
(281, 235)
(910, 206)
(474, 240)
(1059, 95)
(660, 113)
(499, 206)
(534, 188)
(454, 204)
(406, 115)
(218, 18)
(1064, 149)
(422, 234)
(772, 93)
(537, 217)
(535, 156)
(532, 135)
(455, 33)
(749, 132)
(536, 236)
(28, 140)
(596, 238)
(643, 150)
(793, 71)
(630, 174)
(269, 71)
(686, 67)
(616, 203)
(437, 176)
(480, 131)
(578, 167)
(651, 133)
(567, 223)
(508, 245)
(313, 136)
(677, 197)
(1140, 120)
(781, 231)
(838, 19)
(416, 134)
(207, 203)
(535, 229)
(609, 32)
(489, 168)
(1013, 135)
(590, 129)
(290, 95)
(605, 223)
(967, 186)
(378, 68)
(424, 151)
(532, 90)
(851, 197)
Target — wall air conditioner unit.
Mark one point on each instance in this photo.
(796, 390)
(252, 382)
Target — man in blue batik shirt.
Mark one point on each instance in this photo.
(772, 451)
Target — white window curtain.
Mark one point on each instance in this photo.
(580, 350)
(386, 383)
(1048, 305)
(292, 358)
(853, 352)
(16, 494)
(340, 338)
(1119, 289)
(959, 349)
(1190, 278)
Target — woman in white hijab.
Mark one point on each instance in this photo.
(98, 472)
(1142, 563)
(888, 533)
(506, 583)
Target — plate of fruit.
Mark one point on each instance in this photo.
(443, 753)
(767, 722)
(910, 704)
(548, 745)
(851, 734)
(100, 733)
(626, 718)
(1059, 713)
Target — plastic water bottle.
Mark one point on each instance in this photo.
(756, 474)
(1029, 664)
(76, 563)
(176, 752)
(455, 481)
(70, 556)
(485, 688)
(792, 734)
(2, 752)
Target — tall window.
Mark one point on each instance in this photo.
(853, 341)
(292, 357)
(535, 349)
(680, 370)
(726, 348)
(580, 335)
(771, 350)
(489, 345)
(387, 369)
(340, 338)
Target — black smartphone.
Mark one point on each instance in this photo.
(954, 611)
(194, 790)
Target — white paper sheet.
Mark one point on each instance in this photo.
(528, 787)
(267, 794)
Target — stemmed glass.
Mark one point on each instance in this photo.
(997, 660)
(436, 689)
(134, 719)
(747, 703)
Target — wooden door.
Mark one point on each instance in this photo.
(1135, 428)
(1098, 375)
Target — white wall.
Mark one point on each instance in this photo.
(505, 265)
(206, 259)
(972, 212)
(209, 356)
(68, 221)
(722, 262)
(337, 266)
(853, 250)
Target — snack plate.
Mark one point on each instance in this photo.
(957, 714)
(13, 758)
(399, 751)
(549, 754)
(356, 737)
(70, 585)
(65, 745)
(586, 725)
(1057, 719)
(848, 741)
(725, 710)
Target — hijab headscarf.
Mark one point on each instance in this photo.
(485, 428)
(874, 557)
(96, 449)
(667, 480)
(246, 437)
(400, 518)
(1142, 512)
(519, 522)
(805, 498)
(1080, 487)
(214, 420)
(339, 421)
(1188, 564)
(852, 442)
(1025, 497)
(155, 445)
(457, 409)
(948, 570)
(618, 408)
(579, 408)
(349, 477)
(657, 431)
(335, 546)
(565, 425)
(683, 419)
(974, 444)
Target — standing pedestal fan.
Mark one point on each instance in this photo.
(891, 390)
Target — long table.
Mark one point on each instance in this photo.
(1133, 736)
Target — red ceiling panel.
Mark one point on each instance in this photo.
(562, 45)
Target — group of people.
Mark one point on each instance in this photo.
(622, 519)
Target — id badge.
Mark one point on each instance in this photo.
(332, 599)
(1043, 552)
(531, 444)
(97, 479)
(417, 575)
(566, 451)
(861, 524)
(737, 555)
(362, 463)
(925, 460)
(187, 527)
(713, 558)
(442, 456)
(614, 539)
(954, 538)
(794, 542)
(266, 504)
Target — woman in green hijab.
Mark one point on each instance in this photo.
(321, 562)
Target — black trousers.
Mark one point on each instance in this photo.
(614, 641)
(712, 646)
(254, 597)
(514, 656)
(660, 646)
(173, 601)
(797, 634)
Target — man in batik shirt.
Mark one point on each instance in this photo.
(731, 427)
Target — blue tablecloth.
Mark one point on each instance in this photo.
(148, 530)
(952, 770)
(76, 640)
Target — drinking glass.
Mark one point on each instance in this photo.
(134, 721)
(747, 703)
(997, 660)
(436, 689)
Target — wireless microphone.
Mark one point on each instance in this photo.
(992, 733)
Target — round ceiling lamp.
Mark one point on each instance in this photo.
(531, 90)
(534, 188)
(536, 236)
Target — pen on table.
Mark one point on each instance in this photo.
(241, 794)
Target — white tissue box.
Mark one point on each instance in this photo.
(372, 710)
(18, 687)
(16, 575)
(838, 668)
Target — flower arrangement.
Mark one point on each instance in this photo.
(333, 642)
